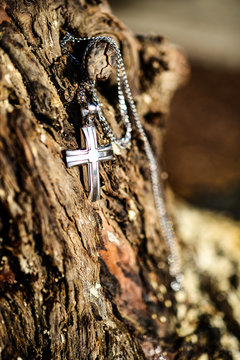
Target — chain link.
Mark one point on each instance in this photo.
(125, 142)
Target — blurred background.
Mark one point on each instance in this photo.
(202, 148)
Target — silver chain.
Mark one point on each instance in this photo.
(125, 141)
(124, 88)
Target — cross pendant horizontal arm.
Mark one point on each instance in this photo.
(90, 156)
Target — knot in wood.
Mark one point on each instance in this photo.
(100, 61)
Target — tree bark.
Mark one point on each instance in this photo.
(79, 280)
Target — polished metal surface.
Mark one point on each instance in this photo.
(90, 156)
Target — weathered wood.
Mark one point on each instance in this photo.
(80, 280)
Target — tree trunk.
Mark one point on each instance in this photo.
(80, 280)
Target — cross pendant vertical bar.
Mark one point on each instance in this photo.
(90, 156)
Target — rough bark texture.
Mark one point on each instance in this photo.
(80, 280)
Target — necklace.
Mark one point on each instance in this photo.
(124, 91)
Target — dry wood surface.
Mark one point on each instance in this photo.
(82, 280)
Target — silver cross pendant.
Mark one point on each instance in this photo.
(91, 156)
